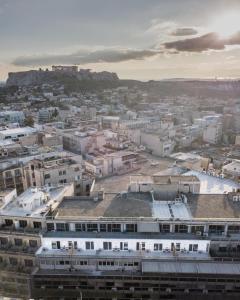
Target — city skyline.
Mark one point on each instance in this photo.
(137, 39)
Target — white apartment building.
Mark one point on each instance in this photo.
(212, 134)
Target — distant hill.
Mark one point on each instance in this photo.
(38, 77)
(85, 80)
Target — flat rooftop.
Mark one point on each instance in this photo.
(218, 206)
(34, 202)
(130, 205)
(192, 267)
(213, 185)
(141, 205)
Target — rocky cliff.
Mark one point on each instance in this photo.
(38, 77)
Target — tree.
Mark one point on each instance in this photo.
(28, 121)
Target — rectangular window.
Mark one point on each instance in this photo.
(56, 245)
(89, 245)
(140, 246)
(80, 227)
(33, 243)
(116, 227)
(8, 222)
(181, 228)
(92, 227)
(103, 227)
(18, 242)
(37, 225)
(22, 223)
(131, 227)
(3, 241)
(123, 246)
(165, 228)
(50, 226)
(178, 246)
(157, 247)
(107, 245)
(47, 176)
(62, 227)
(13, 261)
(28, 263)
(193, 247)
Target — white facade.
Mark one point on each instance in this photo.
(15, 133)
(212, 134)
(140, 244)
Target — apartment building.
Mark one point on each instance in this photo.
(212, 134)
(56, 170)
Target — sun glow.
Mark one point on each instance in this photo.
(226, 25)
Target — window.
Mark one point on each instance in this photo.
(17, 173)
(3, 241)
(165, 228)
(216, 229)
(75, 244)
(8, 174)
(37, 225)
(123, 246)
(103, 227)
(18, 242)
(178, 246)
(56, 245)
(131, 227)
(157, 247)
(50, 226)
(82, 263)
(140, 246)
(80, 227)
(193, 247)
(28, 263)
(89, 245)
(22, 223)
(181, 228)
(107, 245)
(8, 222)
(47, 176)
(62, 227)
(33, 243)
(60, 173)
(13, 261)
(64, 172)
(114, 227)
(92, 227)
(233, 229)
(70, 244)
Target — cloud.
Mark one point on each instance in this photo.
(184, 31)
(80, 57)
(210, 41)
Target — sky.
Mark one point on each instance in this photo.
(137, 39)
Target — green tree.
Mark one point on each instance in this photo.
(29, 121)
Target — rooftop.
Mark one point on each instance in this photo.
(19, 130)
(213, 185)
(113, 205)
(35, 202)
(199, 267)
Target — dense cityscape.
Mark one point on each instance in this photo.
(119, 161)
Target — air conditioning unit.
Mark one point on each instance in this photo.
(235, 198)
